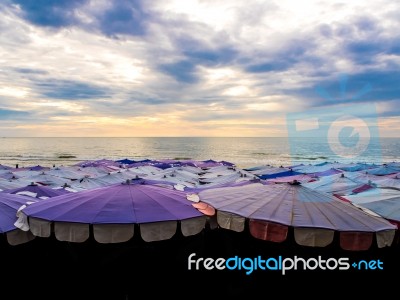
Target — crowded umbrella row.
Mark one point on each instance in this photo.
(357, 201)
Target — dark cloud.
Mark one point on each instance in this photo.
(30, 71)
(71, 90)
(385, 89)
(210, 57)
(196, 53)
(366, 24)
(51, 13)
(269, 67)
(365, 52)
(284, 58)
(362, 40)
(196, 50)
(182, 71)
(325, 30)
(374, 87)
(124, 17)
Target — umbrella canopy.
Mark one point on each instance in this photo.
(113, 211)
(45, 179)
(299, 178)
(9, 205)
(384, 202)
(125, 161)
(66, 172)
(3, 167)
(335, 184)
(314, 216)
(88, 183)
(6, 174)
(383, 170)
(37, 191)
(8, 184)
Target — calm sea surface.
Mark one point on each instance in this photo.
(244, 152)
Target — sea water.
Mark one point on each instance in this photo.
(243, 151)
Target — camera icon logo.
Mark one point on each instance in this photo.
(361, 135)
(337, 130)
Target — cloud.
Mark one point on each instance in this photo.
(52, 13)
(182, 71)
(216, 67)
(123, 17)
(72, 90)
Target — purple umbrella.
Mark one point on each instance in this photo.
(113, 211)
(9, 205)
(3, 167)
(315, 216)
(38, 168)
(37, 191)
(125, 161)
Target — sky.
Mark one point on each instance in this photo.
(196, 68)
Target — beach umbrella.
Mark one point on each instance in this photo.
(9, 206)
(93, 172)
(37, 191)
(98, 163)
(66, 172)
(287, 179)
(205, 164)
(3, 167)
(394, 176)
(89, 183)
(357, 167)
(38, 168)
(267, 170)
(8, 184)
(113, 212)
(24, 173)
(203, 187)
(176, 176)
(314, 216)
(46, 179)
(379, 181)
(384, 202)
(383, 170)
(8, 175)
(125, 161)
(335, 184)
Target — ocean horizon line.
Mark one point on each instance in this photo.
(142, 136)
(43, 137)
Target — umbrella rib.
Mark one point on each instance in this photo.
(357, 217)
(144, 192)
(278, 204)
(268, 201)
(133, 204)
(338, 207)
